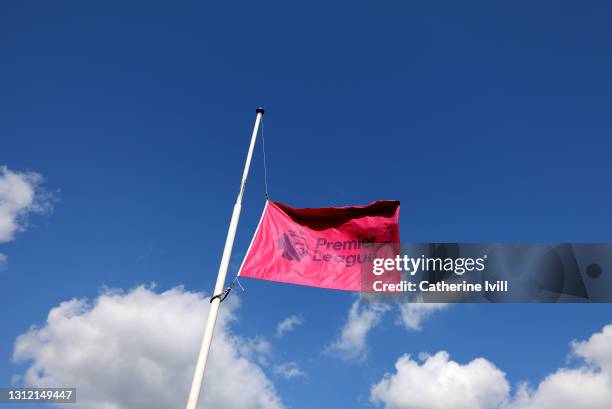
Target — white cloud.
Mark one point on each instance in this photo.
(351, 344)
(288, 324)
(20, 194)
(597, 351)
(137, 350)
(587, 386)
(2, 261)
(412, 315)
(439, 383)
(257, 349)
(289, 370)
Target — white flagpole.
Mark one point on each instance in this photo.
(198, 375)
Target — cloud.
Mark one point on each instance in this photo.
(597, 351)
(289, 370)
(412, 315)
(587, 386)
(20, 194)
(287, 325)
(257, 349)
(2, 261)
(439, 382)
(137, 349)
(351, 344)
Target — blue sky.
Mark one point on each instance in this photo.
(488, 121)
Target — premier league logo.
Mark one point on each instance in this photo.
(293, 245)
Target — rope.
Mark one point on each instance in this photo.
(265, 166)
(227, 291)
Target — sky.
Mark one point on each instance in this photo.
(123, 134)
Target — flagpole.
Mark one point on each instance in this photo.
(198, 375)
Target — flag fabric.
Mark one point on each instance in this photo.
(319, 247)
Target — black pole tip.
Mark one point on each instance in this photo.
(259, 110)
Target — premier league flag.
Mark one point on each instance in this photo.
(319, 247)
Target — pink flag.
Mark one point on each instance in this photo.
(320, 247)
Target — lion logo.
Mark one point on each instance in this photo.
(293, 245)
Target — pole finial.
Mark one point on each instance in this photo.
(259, 110)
